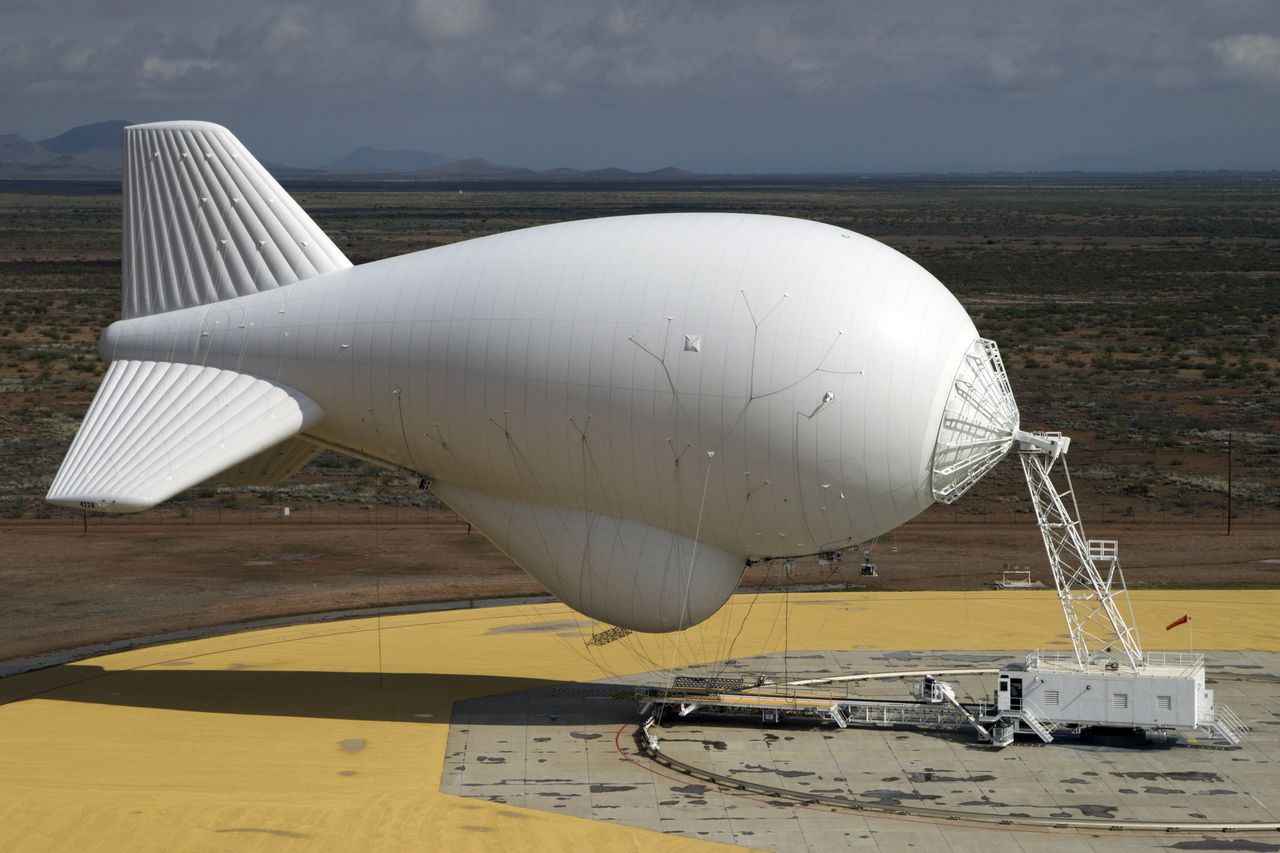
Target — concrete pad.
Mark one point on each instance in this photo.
(904, 768)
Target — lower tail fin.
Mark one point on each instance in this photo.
(156, 428)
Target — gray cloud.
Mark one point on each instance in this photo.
(1252, 56)
(823, 84)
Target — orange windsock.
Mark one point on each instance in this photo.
(1181, 620)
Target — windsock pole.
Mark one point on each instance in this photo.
(1184, 619)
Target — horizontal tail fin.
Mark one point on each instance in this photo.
(156, 428)
(204, 221)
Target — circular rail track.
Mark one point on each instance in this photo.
(649, 749)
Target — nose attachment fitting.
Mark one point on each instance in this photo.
(979, 422)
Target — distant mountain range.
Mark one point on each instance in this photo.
(91, 150)
(94, 151)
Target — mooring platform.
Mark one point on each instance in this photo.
(502, 729)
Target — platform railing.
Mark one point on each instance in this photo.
(1188, 662)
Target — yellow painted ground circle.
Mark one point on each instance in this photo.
(332, 736)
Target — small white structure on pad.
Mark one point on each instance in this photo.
(1017, 579)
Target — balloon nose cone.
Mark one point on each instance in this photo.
(978, 423)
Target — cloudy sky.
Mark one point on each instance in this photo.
(716, 85)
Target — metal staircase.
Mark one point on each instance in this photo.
(1227, 726)
(1043, 728)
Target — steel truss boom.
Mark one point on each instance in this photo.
(1086, 572)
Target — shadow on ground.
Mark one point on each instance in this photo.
(408, 697)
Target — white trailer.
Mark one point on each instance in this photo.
(1052, 692)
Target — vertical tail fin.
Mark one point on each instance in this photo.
(204, 221)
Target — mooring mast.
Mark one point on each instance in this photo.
(1107, 679)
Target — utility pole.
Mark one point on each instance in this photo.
(1228, 484)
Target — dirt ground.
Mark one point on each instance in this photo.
(131, 577)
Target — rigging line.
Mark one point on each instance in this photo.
(750, 607)
(755, 340)
(705, 662)
(584, 561)
(681, 414)
(734, 426)
(634, 644)
(786, 626)
(377, 579)
(244, 338)
(637, 645)
(670, 382)
(722, 648)
(282, 332)
(775, 307)
(836, 568)
(684, 606)
(674, 549)
(672, 521)
(818, 369)
(795, 455)
(682, 419)
(641, 658)
(534, 613)
(767, 642)
(518, 459)
(398, 393)
(697, 533)
(751, 313)
(596, 656)
(591, 468)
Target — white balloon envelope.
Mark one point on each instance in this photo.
(632, 408)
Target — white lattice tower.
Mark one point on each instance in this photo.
(1087, 573)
